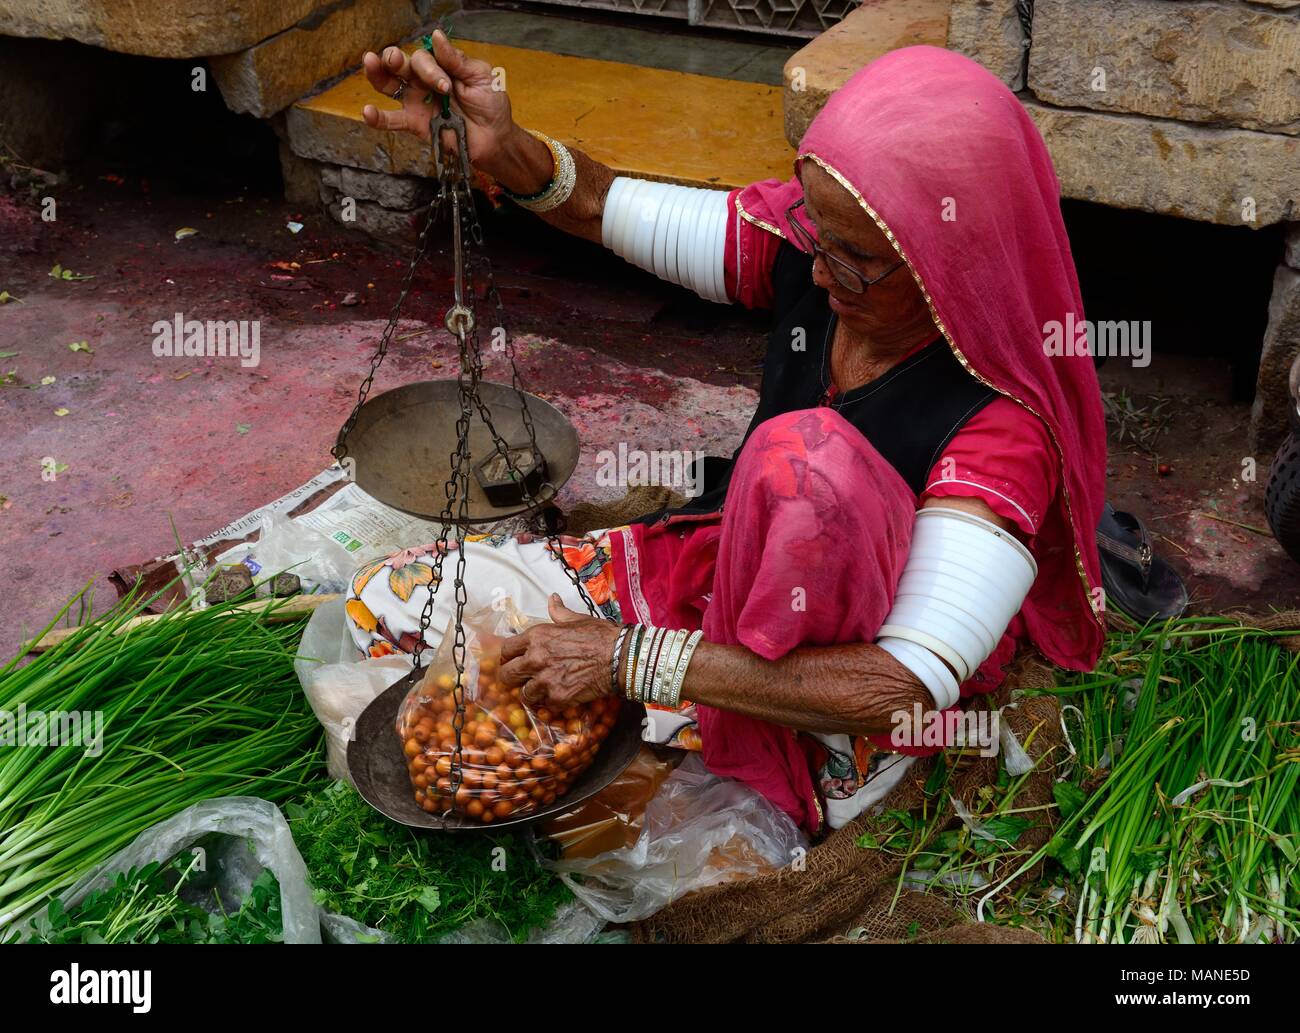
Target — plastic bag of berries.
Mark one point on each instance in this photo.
(512, 759)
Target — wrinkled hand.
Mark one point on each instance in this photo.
(561, 664)
(488, 121)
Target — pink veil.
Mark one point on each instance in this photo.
(941, 155)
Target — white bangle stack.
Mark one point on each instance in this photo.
(654, 669)
(964, 580)
(678, 233)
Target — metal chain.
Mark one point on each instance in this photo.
(456, 511)
(454, 189)
(340, 449)
(552, 539)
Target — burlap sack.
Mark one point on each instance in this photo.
(586, 517)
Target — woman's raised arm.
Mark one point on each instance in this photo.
(515, 158)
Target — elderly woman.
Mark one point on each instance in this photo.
(917, 493)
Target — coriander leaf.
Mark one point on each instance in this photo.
(428, 898)
(1069, 798)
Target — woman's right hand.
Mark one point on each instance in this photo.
(489, 126)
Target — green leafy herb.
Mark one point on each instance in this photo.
(1069, 798)
(59, 273)
(148, 906)
(415, 886)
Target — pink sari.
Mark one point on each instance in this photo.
(944, 159)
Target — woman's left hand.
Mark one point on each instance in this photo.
(562, 664)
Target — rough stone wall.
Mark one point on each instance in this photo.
(990, 31)
(275, 72)
(1224, 63)
(162, 28)
(1184, 107)
(1269, 414)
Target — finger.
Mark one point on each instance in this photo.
(516, 645)
(517, 672)
(378, 76)
(545, 692)
(533, 693)
(387, 119)
(560, 613)
(458, 64)
(428, 71)
(397, 63)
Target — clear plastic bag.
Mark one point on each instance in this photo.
(573, 923)
(283, 544)
(513, 759)
(338, 685)
(698, 830)
(257, 839)
(613, 818)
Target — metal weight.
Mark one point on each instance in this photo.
(403, 437)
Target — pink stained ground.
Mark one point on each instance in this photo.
(150, 441)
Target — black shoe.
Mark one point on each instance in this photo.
(1136, 580)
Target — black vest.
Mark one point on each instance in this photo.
(909, 414)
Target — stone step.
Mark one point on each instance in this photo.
(656, 123)
(270, 76)
(873, 30)
(177, 28)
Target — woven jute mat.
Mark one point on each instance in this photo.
(586, 517)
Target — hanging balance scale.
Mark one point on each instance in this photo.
(509, 452)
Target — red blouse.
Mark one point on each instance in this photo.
(1003, 455)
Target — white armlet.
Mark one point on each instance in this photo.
(965, 578)
(676, 232)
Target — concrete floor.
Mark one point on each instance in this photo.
(157, 449)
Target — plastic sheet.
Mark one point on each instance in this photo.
(338, 685)
(613, 818)
(259, 840)
(326, 545)
(698, 830)
(573, 923)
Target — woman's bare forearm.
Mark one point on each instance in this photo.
(523, 165)
(856, 689)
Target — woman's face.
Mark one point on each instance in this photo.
(845, 230)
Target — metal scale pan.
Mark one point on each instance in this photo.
(404, 438)
(378, 766)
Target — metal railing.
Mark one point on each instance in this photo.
(798, 18)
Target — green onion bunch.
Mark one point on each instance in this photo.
(1181, 820)
(194, 704)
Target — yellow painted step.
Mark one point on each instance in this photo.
(647, 122)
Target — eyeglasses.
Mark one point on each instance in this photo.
(845, 275)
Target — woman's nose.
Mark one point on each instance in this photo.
(821, 274)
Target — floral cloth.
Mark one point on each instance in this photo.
(386, 599)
